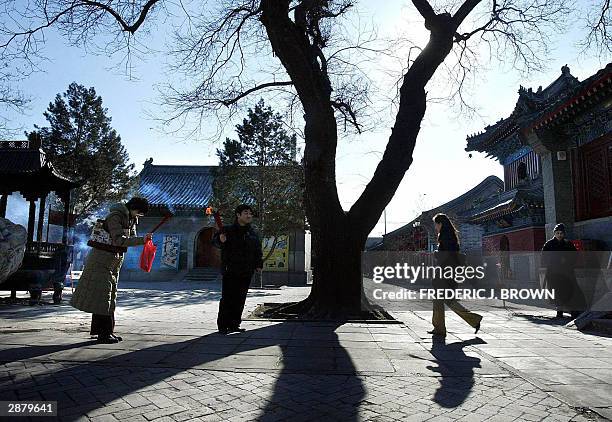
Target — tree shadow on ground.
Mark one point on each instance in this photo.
(338, 395)
(456, 370)
(87, 387)
(128, 300)
(552, 321)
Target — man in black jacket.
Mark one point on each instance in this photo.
(241, 255)
(559, 257)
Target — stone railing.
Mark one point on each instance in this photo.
(43, 249)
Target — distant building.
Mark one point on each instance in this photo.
(184, 249)
(372, 243)
(419, 234)
(556, 149)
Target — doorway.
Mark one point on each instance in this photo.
(206, 254)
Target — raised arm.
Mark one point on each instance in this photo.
(119, 235)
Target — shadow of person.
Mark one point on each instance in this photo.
(456, 370)
(107, 375)
(29, 352)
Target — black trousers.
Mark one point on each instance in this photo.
(233, 295)
(102, 325)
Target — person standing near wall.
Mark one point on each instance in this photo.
(241, 256)
(559, 258)
(97, 289)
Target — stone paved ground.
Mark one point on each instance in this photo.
(173, 366)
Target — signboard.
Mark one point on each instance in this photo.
(170, 250)
(57, 218)
(279, 259)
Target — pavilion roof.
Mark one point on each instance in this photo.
(25, 168)
(555, 104)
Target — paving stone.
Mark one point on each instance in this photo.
(307, 371)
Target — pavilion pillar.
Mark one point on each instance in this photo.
(66, 199)
(3, 204)
(41, 218)
(557, 180)
(31, 220)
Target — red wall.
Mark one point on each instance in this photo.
(530, 239)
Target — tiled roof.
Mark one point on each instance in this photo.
(20, 161)
(484, 190)
(177, 186)
(595, 88)
(25, 168)
(535, 108)
(488, 184)
(508, 202)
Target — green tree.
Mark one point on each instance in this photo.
(260, 168)
(82, 145)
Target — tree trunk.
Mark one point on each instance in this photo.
(338, 237)
(337, 286)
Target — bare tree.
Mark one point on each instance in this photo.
(599, 24)
(307, 50)
(11, 100)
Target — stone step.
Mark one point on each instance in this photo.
(204, 270)
(202, 274)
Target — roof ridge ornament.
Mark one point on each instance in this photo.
(16, 144)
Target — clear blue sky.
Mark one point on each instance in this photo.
(441, 168)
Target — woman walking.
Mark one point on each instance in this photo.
(97, 289)
(447, 255)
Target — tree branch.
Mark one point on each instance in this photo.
(600, 32)
(397, 157)
(124, 25)
(348, 113)
(425, 9)
(51, 20)
(465, 9)
(254, 89)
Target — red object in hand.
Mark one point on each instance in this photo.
(218, 221)
(217, 216)
(147, 256)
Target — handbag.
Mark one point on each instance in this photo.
(100, 238)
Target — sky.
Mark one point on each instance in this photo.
(441, 169)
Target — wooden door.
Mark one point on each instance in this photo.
(206, 254)
(598, 178)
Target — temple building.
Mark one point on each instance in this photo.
(184, 249)
(419, 234)
(556, 149)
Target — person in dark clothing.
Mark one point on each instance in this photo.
(241, 255)
(559, 258)
(447, 255)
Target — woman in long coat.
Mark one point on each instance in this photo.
(96, 291)
(447, 255)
